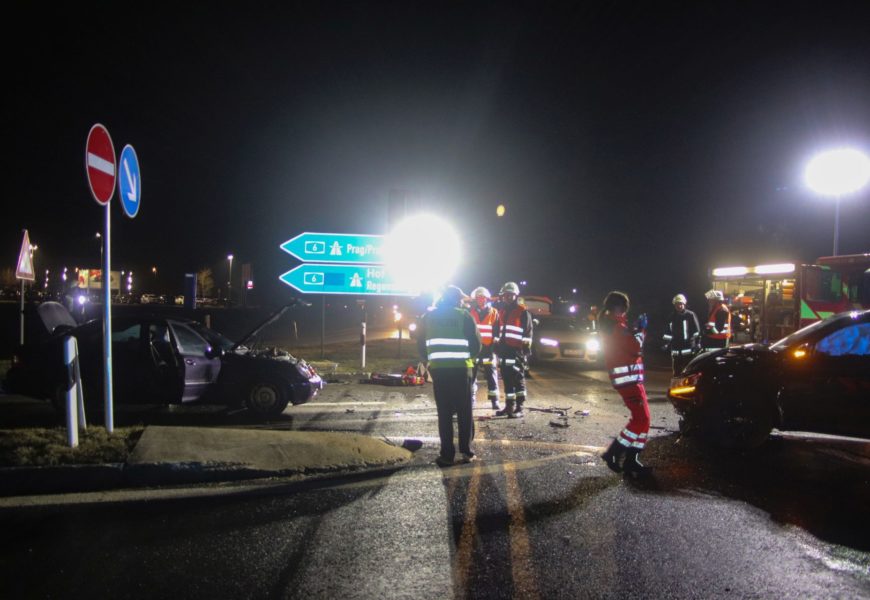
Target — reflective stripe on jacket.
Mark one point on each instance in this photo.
(516, 328)
(487, 322)
(719, 323)
(622, 351)
(447, 340)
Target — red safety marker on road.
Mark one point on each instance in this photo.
(100, 164)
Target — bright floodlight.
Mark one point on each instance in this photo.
(838, 172)
(422, 253)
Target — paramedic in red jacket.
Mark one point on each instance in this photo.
(622, 357)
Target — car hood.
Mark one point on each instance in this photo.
(268, 321)
(730, 354)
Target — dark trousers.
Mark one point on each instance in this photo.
(679, 361)
(490, 371)
(512, 363)
(453, 396)
(713, 344)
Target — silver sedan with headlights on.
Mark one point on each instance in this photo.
(565, 339)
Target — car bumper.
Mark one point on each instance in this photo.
(304, 391)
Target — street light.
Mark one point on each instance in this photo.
(837, 173)
(422, 235)
(230, 279)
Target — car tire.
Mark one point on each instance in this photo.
(267, 397)
(743, 424)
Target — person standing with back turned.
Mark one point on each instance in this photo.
(448, 340)
(622, 357)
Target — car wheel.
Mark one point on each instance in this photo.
(741, 424)
(267, 397)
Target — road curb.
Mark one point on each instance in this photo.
(22, 481)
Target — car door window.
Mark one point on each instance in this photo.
(853, 340)
(189, 342)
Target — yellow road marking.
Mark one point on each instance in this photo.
(522, 569)
(465, 547)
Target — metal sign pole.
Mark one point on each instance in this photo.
(107, 322)
(322, 322)
(362, 337)
(21, 340)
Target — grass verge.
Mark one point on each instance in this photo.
(382, 356)
(39, 447)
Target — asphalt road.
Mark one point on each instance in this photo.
(538, 517)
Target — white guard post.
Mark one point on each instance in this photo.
(362, 343)
(71, 362)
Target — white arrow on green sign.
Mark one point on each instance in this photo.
(340, 248)
(372, 280)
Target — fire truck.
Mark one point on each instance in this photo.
(768, 302)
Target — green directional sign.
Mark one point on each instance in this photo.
(340, 248)
(373, 280)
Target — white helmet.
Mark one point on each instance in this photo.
(510, 288)
(714, 295)
(679, 299)
(480, 291)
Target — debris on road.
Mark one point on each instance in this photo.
(562, 412)
(582, 413)
(409, 377)
(350, 410)
(560, 423)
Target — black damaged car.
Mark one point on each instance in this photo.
(158, 360)
(816, 379)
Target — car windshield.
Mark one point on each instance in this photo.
(213, 337)
(559, 325)
(798, 336)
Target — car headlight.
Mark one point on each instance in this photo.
(684, 387)
(593, 346)
(549, 342)
(412, 327)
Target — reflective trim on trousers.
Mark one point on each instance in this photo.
(629, 439)
(627, 380)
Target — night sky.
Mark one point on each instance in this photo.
(634, 148)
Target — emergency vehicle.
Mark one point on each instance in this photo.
(768, 302)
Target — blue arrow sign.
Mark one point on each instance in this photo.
(340, 248)
(372, 280)
(129, 181)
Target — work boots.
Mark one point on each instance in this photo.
(494, 401)
(518, 409)
(612, 456)
(507, 410)
(632, 466)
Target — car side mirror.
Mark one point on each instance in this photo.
(214, 352)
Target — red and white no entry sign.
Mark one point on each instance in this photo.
(100, 163)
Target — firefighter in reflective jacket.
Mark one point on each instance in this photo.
(448, 340)
(622, 357)
(717, 330)
(683, 334)
(514, 341)
(486, 319)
